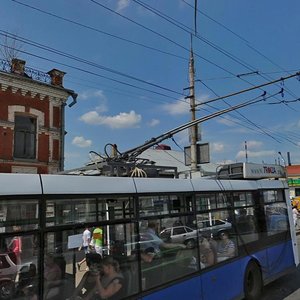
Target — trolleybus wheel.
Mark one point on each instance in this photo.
(253, 284)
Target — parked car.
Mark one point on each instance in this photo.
(8, 272)
(180, 234)
(213, 227)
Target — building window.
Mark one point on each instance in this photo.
(25, 137)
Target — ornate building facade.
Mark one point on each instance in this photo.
(32, 126)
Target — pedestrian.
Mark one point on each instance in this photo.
(97, 240)
(15, 246)
(86, 239)
(296, 214)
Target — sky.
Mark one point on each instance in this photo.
(128, 61)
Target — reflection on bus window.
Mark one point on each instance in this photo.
(276, 218)
(24, 214)
(163, 205)
(217, 241)
(275, 212)
(115, 208)
(120, 242)
(18, 266)
(173, 247)
(246, 224)
(68, 211)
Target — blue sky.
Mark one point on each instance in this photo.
(131, 71)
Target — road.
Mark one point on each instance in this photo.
(287, 287)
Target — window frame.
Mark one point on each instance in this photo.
(27, 148)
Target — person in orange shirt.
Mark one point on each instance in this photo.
(296, 203)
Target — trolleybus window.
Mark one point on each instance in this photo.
(243, 199)
(115, 208)
(118, 241)
(164, 204)
(246, 221)
(68, 211)
(168, 250)
(19, 265)
(217, 237)
(23, 214)
(205, 201)
(223, 200)
(275, 211)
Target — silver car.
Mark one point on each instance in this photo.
(213, 227)
(8, 272)
(180, 234)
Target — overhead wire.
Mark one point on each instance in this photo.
(92, 73)
(98, 30)
(134, 152)
(265, 131)
(91, 0)
(206, 41)
(191, 31)
(160, 35)
(76, 58)
(215, 21)
(228, 104)
(103, 6)
(163, 36)
(244, 40)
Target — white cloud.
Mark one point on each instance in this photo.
(92, 94)
(101, 108)
(256, 154)
(81, 142)
(122, 4)
(153, 122)
(179, 107)
(70, 155)
(225, 162)
(122, 120)
(182, 106)
(217, 147)
(254, 144)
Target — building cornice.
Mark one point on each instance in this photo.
(29, 87)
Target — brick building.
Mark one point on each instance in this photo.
(32, 129)
(293, 174)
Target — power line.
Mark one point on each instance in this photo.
(91, 73)
(97, 30)
(244, 117)
(190, 31)
(52, 50)
(100, 31)
(244, 40)
(263, 130)
(249, 89)
(206, 41)
(215, 21)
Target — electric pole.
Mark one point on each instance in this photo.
(193, 111)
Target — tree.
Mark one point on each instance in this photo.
(10, 47)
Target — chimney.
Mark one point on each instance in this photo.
(56, 77)
(18, 66)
